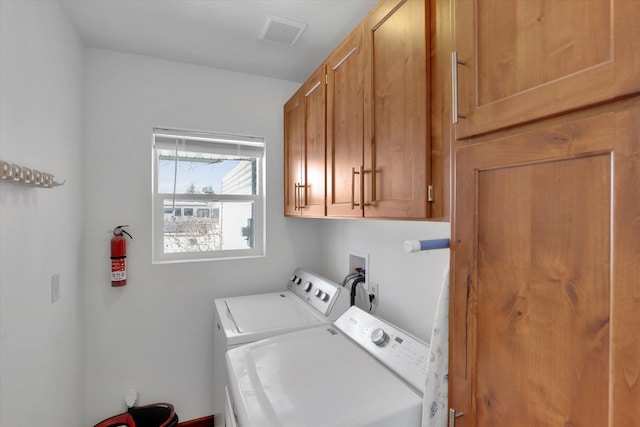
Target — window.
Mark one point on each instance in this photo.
(208, 196)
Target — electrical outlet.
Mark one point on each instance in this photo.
(373, 292)
(55, 287)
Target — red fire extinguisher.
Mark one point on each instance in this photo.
(119, 256)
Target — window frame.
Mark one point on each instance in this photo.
(258, 200)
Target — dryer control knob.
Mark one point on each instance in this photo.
(298, 280)
(293, 278)
(307, 286)
(378, 336)
(325, 297)
(318, 293)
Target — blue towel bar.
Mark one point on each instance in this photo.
(426, 245)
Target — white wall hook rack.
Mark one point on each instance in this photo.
(14, 174)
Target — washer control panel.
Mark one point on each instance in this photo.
(398, 350)
(319, 292)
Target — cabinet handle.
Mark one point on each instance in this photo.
(453, 415)
(360, 172)
(295, 196)
(454, 88)
(374, 166)
(353, 187)
(361, 188)
(303, 202)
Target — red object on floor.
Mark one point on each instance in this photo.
(155, 415)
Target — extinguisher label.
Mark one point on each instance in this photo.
(118, 269)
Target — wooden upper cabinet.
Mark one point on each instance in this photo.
(313, 189)
(374, 151)
(304, 149)
(396, 111)
(519, 61)
(293, 152)
(345, 128)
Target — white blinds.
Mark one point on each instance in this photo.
(202, 142)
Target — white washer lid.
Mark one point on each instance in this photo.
(260, 312)
(317, 378)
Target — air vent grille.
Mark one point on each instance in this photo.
(282, 31)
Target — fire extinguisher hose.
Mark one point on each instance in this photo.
(120, 229)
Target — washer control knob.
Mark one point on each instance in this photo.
(293, 278)
(318, 293)
(307, 286)
(378, 336)
(325, 297)
(298, 280)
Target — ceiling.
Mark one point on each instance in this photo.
(218, 33)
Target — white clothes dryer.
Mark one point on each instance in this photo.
(360, 371)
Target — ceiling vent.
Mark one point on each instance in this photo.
(282, 31)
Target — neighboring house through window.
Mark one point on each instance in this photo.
(208, 196)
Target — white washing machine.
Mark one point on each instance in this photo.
(360, 371)
(309, 300)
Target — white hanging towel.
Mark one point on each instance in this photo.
(436, 388)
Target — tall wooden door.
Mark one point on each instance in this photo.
(545, 297)
(523, 60)
(396, 118)
(345, 128)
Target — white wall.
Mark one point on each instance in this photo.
(41, 344)
(156, 334)
(408, 283)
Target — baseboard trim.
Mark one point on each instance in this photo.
(200, 422)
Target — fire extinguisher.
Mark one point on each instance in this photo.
(119, 256)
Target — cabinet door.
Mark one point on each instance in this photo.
(345, 128)
(396, 120)
(312, 192)
(544, 290)
(523, 60)
(293, 153)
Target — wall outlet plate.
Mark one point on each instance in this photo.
(373, 291)
(55, 287)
